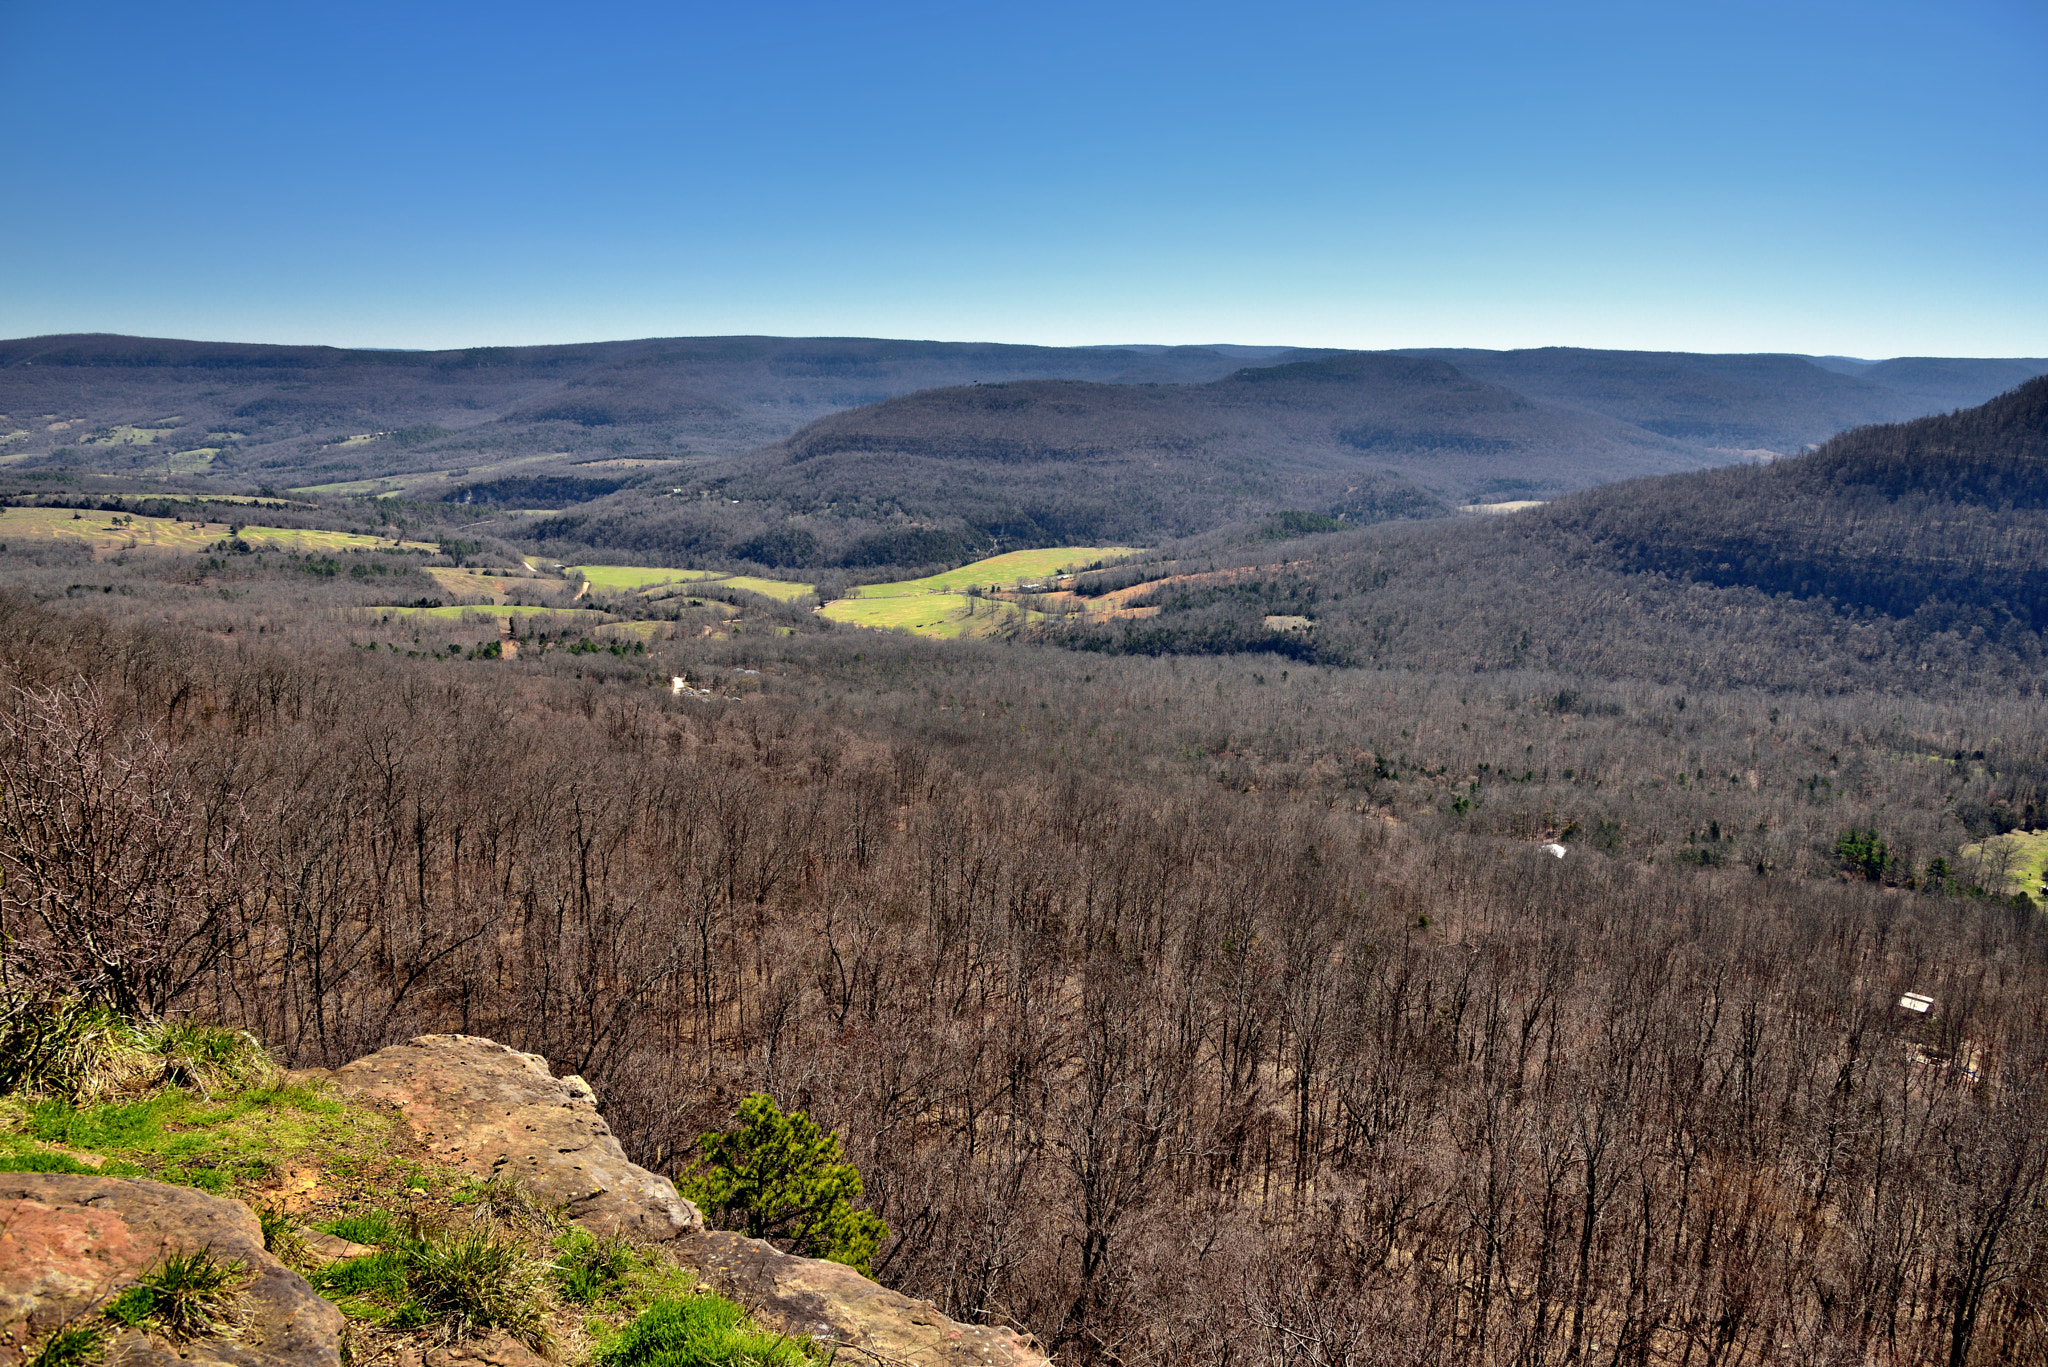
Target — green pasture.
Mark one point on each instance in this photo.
(631, 578)
(194, 462)
(942, 616)
(103, 532)
(783, 589)
(1003, 571)
(123, 435)
(2027, 853)
(627, 578)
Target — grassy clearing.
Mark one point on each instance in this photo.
(781, 589)
(628, 578)
(942, 616)
(194, 462)
(1001, 571)
(2025, 855)
(645, 578)
(105, 531)
(123, 435)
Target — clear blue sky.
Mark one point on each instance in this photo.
(1869, 179)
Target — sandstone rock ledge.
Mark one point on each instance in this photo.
(69, 1243)
(480, 1106)
(486, 1108)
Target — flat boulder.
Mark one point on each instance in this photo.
(69, 1243)
(491, 1110)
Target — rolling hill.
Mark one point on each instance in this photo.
(423, 421)
(1775, 403)
(1361, 436)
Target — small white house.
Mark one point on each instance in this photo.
(1554, 850)
(1914, 1002)
(676, 684)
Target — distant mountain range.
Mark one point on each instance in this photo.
(821, 451)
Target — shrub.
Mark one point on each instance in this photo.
(698, 1331)
(781, 1177)
(55, 1046)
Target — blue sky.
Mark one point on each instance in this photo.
(1865, 179)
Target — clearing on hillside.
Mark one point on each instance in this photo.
(1001, 571)
(2024, 856)
(642, 578)
(105, 531)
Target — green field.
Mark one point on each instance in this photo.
(2027, 852)
(124, 435)
(1001, 571)
(942, 616)
(783, 589)
(103, 533)
(194, 462)
(625, 578)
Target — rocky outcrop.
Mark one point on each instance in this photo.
(490, 1110)
(833, 1302)
(68, 1244)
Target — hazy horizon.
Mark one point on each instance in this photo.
(1812, 178)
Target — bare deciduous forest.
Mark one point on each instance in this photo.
(1180, 1005)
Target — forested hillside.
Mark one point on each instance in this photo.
(1939, 519)
(1173, 1009)
(1361, 437)
(885, 457)
(1895, 558)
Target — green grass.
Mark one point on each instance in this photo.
(101, 531)
(452, 1255)
(72, 1345)
(699, 1331)
(640, 578)
(185, 1296)
(626, 578)
(2028, 852)
(123, 435)
(783, 589)
(194, 462)
(224, 1145)
(941, 616)
(1001, 571)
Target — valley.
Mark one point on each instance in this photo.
(1096, 891)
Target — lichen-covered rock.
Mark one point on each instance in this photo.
(69, 1243)
(480, 1106)
(833, 1302)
